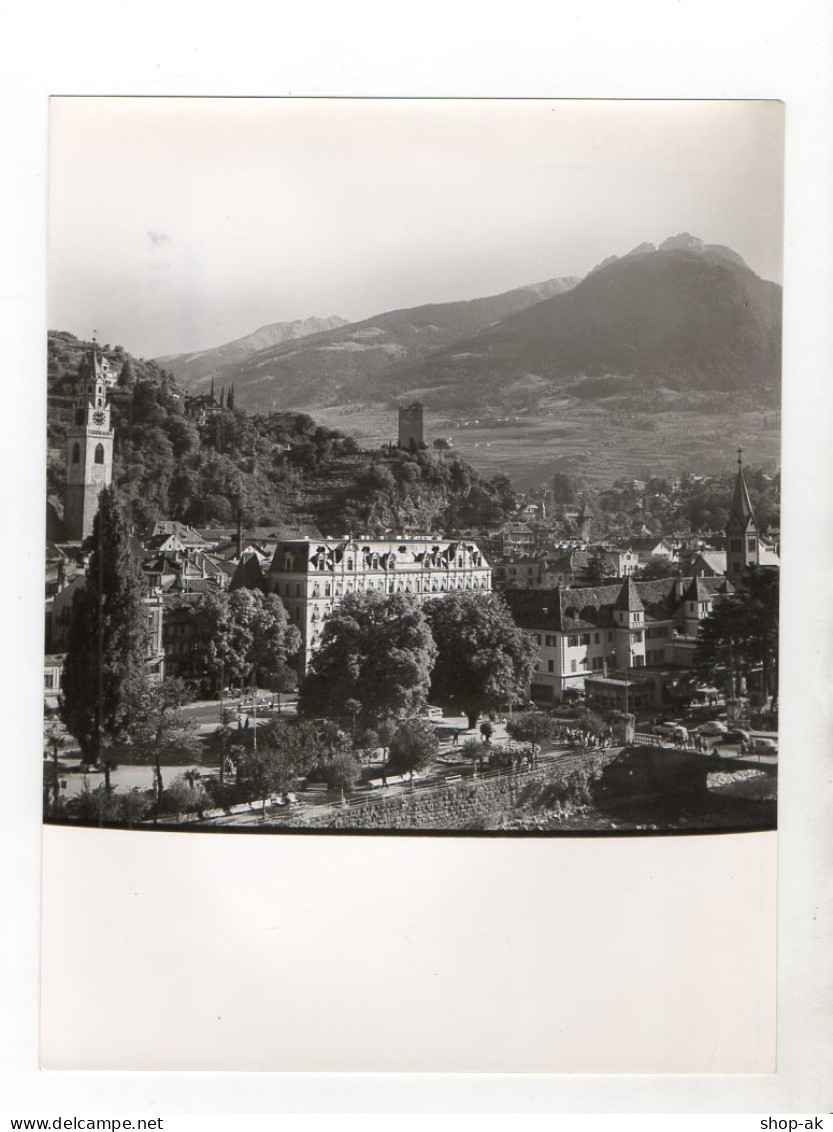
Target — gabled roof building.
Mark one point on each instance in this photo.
(611, 632)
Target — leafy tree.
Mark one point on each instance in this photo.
(484, 661)
(157, 731)
(247, 634)
(375, 649)
(285, 753)
(741, 632)
(414, 746)
(226, 646)
(185, 795)
(274, 638)
(108, 640)
(658, 567)
(599, 570)
(105, 805)
(533, 727)
(342, 770)
(591, 722)
(486, 730)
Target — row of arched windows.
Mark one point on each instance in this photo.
(99, 454)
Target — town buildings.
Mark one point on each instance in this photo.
(594, 638)
(627, 645)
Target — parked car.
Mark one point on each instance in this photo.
(735, 735)
(713, 727)
(671, 730)
(763, 746)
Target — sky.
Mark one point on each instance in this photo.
(178, 224)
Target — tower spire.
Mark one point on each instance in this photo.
(742, 548)
(741, 513)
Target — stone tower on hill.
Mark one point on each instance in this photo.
(743, 545)
(411, 430)
(89, 447)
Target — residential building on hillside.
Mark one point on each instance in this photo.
(184, 536)
(623, 562)
(518, 538)
(523, 572)
(186, 571)
(311, 576)
(199, 407)
(566, 568)
(650, 546)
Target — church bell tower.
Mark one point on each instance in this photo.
(89, 447)
(743, 543)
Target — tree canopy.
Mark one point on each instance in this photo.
(375, 649)
(108, 642)
(658, 566)
(286, 752)
(484, 661)
(413, 746)
(599, 570)
(533, 727)
(741, 632)
(157, 731)
(247, 635)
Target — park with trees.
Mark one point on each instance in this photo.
(359, 705)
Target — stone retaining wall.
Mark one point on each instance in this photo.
(459, 805)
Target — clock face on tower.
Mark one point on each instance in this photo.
(99, 418)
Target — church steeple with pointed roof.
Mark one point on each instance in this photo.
(742, 535)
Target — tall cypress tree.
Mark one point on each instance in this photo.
(230, 398)
(108, 639)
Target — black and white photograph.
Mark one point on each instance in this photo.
(413, 466)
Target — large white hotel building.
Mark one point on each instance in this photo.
(311, 576)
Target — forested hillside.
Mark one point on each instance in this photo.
(282, 469)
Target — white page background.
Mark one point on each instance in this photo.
(98, 988)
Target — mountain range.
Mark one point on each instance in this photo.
(189, 368)
(686, 319)
(665, 358)
(326, 364)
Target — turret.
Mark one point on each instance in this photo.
(629, 625)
